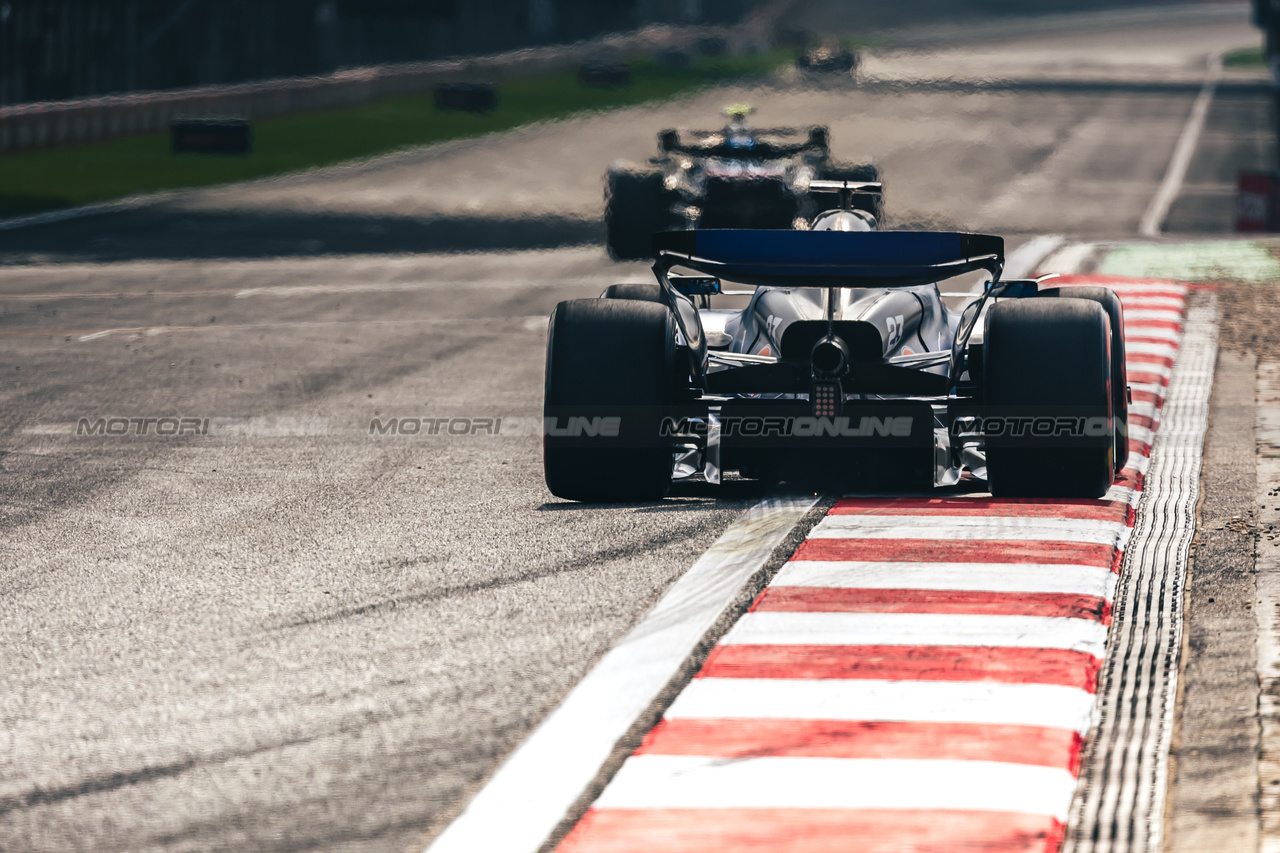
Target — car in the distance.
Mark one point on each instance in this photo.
(739, 176)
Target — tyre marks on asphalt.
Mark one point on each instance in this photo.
(555, 769)
(921, 674)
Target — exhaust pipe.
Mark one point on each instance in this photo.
(829, 358)
(828, 361)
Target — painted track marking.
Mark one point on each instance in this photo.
(531, 792)
(1153, 217)
(702, 782)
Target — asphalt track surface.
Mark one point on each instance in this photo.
(286, 634)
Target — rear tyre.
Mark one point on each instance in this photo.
(608, 358)
(637, 292)
(1048, 362)
(1106, 297)
(636, 205)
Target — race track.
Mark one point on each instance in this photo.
(279, 632)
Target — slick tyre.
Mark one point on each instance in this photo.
(609, 384)
(1047, 376)
(638, 292)
(1106, 297)
(636, 205)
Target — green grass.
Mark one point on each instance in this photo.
(1245, 57)
(1225, 260)
(52, 178)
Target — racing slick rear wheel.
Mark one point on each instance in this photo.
(1048, 423)
(609, 384)
(639, 292)
(1106, 297)
(636, 205)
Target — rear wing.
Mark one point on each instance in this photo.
(712, 143)
(828, 258)
(851, 187)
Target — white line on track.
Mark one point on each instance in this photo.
(524, 801)
(530, 322)
(902, 517)
(1023, 261)
(967, 577)
(1138, 301)
(781, 628)
(1153, 218)
(1150, 292)
(1139, 331)
(288, 290)
(1138, 462)
(1123, 494)
(1148, 287)
(1137, 315)
(1142, 435)
(1067, 259)
(102, 208)
(1146, 348)
(1051, 706)
(969, 528)
(681, 781)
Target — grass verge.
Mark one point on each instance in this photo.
(53, 178)
(1245, 57)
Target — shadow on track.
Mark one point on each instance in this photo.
(167, 232)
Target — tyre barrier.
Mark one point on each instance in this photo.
(603, 75)
(673, 57)
(210, 136)
(467, 97)
(712, 46)
(97, 118)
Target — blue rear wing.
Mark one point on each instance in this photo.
(830, 258)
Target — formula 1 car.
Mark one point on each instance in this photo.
(828, 57)
(847, 369)
(736, 177)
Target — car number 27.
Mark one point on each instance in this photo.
(894, 325)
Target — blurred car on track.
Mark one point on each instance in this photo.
(828, 57)
(739, 176)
